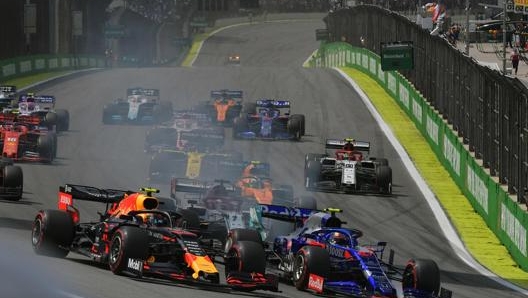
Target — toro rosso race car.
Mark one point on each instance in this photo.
(142, 106)
(349, 170)
(271, 119)
(187, 131)
(224, 106)
(133, 236)
(41, 107)
(324, 257)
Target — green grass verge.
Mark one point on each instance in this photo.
(32, 79)
(479, 240)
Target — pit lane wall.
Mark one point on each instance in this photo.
(28, 65)
(506, 219)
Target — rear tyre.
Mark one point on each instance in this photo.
(309, 260)
(301, 119)
(128, 242)
(240, 125)
(237, 235)
(50, 120)
(187, 220)
(294, 129)
(384, 179)
(52, 233)
(423, 275)
(63, 120)
(14, 179)
(45, 147)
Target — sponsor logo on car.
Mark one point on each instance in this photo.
(315, 282)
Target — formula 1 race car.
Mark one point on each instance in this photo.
(135, 237)
(21, 142)
(324, 257)
(270, 120)
(349, 170)
(187, 131)
(224, 106)
(11, 180)
(7, 96)
(142, 106)
(191, 164)
(41, 107)
(233, 59)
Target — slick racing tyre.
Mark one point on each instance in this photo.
(127, 243)
(312, 172)
(52, 233)
(384, 179)
(14, 179)
(236, 235)
(50, 120)
(45, 147)
(108, 112)
(301, 119)
(187, 219)
(63, 120)
(245, 256)
(240, 125)
(294, 128)
(423, 275)
(248, 108)
(309, 260)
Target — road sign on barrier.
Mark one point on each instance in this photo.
(397, 55)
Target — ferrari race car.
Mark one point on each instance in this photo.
(133, 236)
(270, 119)
(165, 164)
(187, 131)
(22, 142)
(224, 106)
(11, 180)
(41, 107)
(142, 106)
(349, 170)
(324, 257)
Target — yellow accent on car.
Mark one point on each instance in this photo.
(194, 163)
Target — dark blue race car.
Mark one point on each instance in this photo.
(270, 119)
(324, 257)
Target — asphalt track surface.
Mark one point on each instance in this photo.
(112, 156)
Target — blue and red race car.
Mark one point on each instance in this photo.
(270, 119)
(324, 257)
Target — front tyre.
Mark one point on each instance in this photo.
(422, 275)
(127, 243)
(309, 260)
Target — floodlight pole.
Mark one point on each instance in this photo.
(504, 32)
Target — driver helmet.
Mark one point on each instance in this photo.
(338, 238)
(154, 219)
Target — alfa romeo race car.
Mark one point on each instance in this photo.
(142, 106)
(165, 164)
(22, 142)
(133, 236)
(41, 107)
(270, 120)
(11, 180)
(324, 257)
(224, 106)
(187, 131)
(349, 170)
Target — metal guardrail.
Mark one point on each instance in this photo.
(488, 111)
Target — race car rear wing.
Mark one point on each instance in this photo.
(196, 186)
(9, 89)
(70, 192)
(283, 213)
(271, 103)
(143, 91)
(234, 94)
(339, 144)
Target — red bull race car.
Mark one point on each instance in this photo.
(133, 236)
